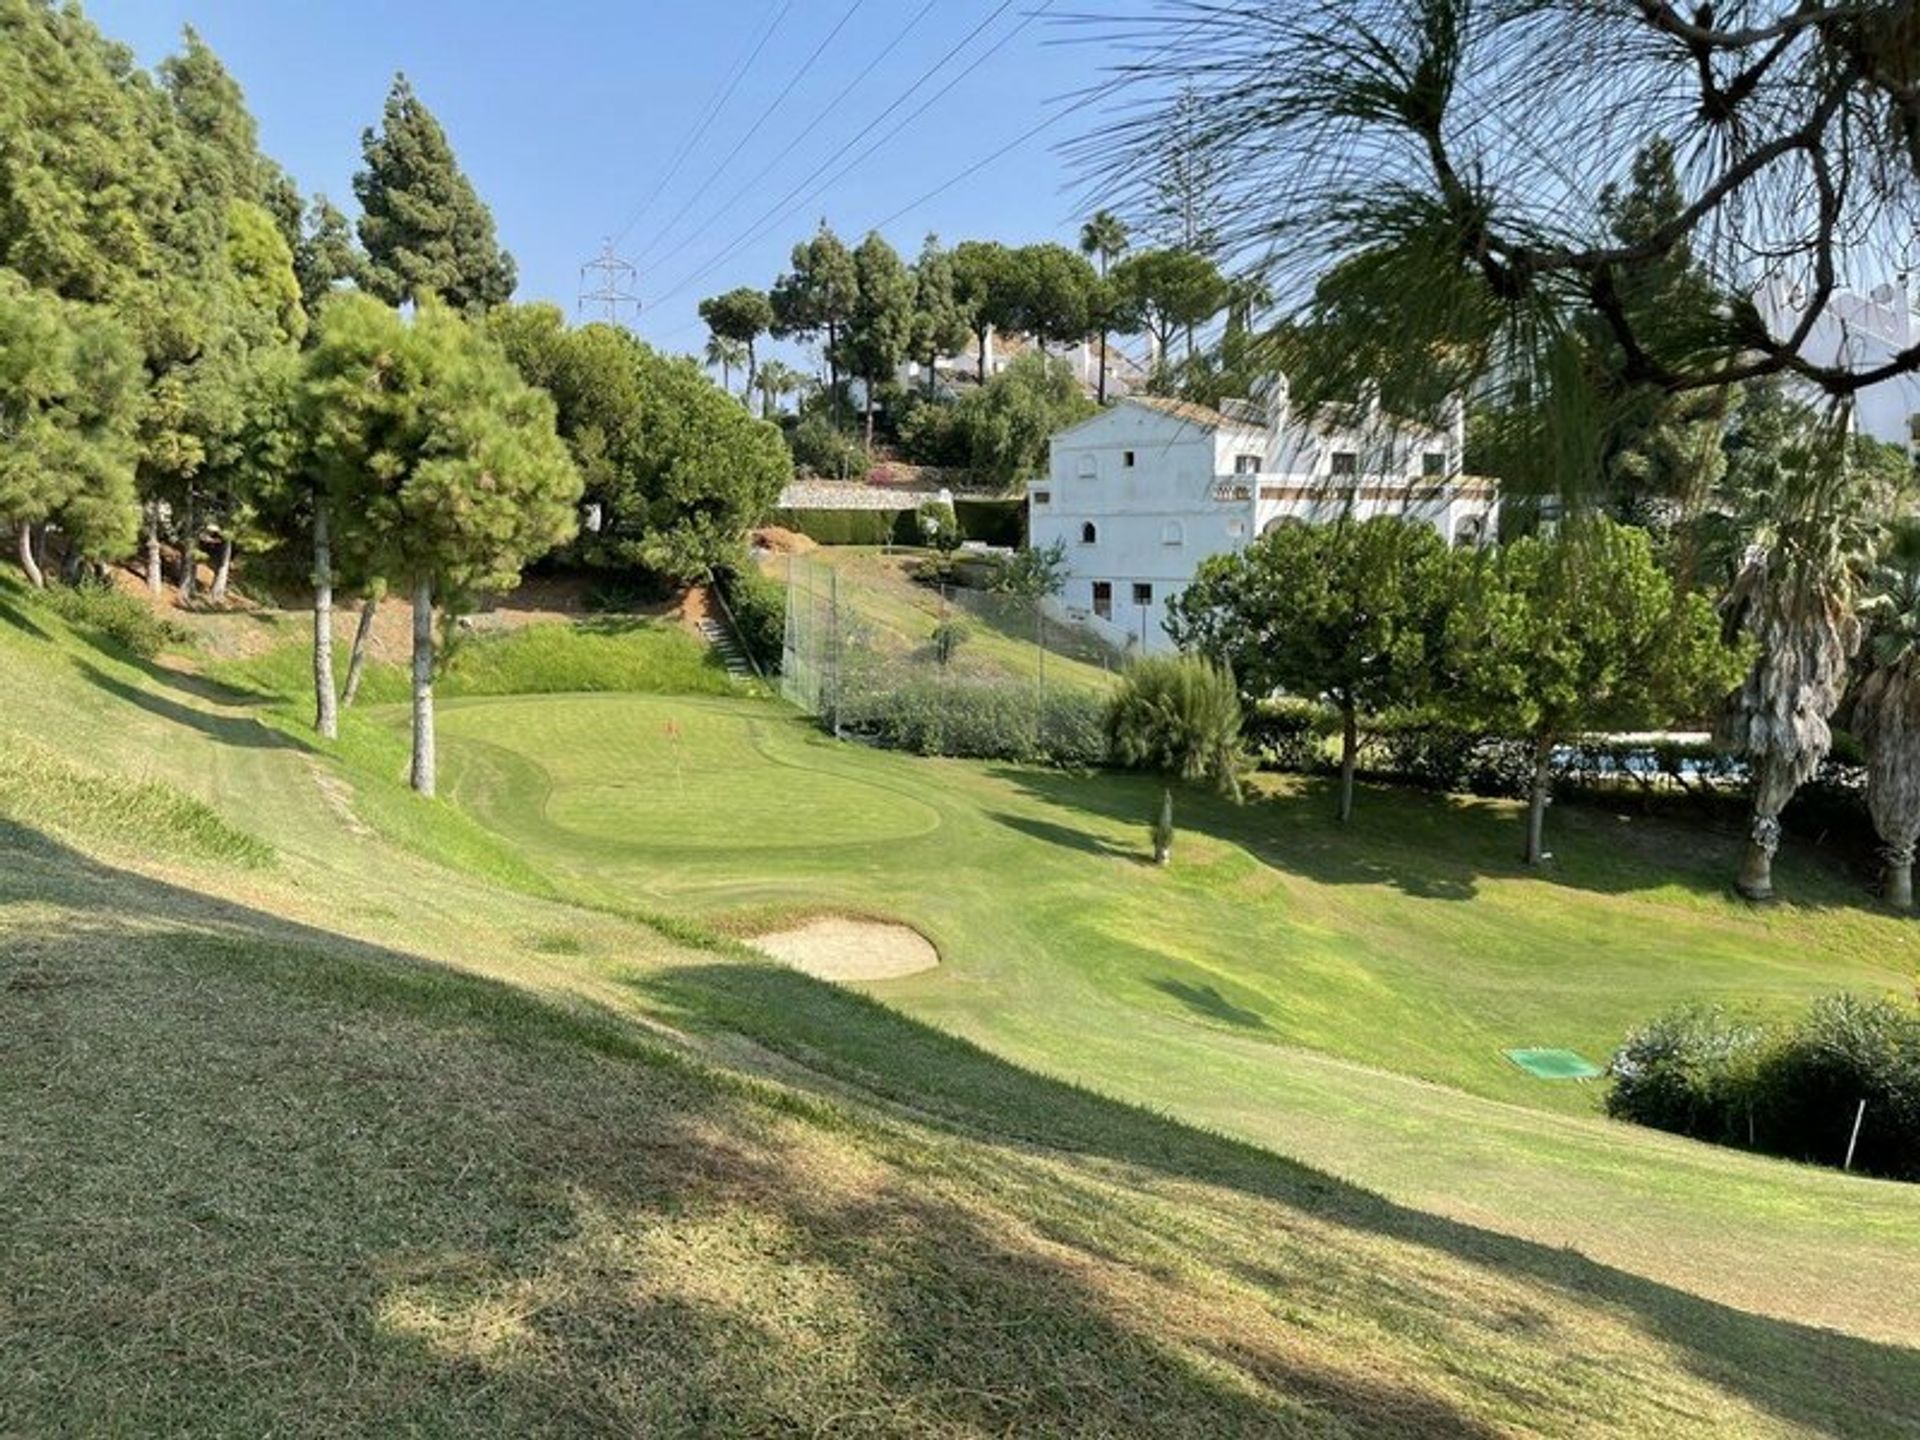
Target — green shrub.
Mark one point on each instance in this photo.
(759, 606)
(993, 522)
(821, 449)
(931, 433)
(1793, 1091)
(124, 621)
(846, 527)
(977, 718)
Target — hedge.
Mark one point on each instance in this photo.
(976, 718)
(852, 527)
(1793, 1090)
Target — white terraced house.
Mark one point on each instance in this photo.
(1144, 491)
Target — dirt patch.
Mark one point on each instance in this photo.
(833, 948)
(781, 541)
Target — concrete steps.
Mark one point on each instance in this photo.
(724, 644)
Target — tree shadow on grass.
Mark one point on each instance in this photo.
(1208, 1001)
(354, 1191)
(19, 619)
(1067, 835)
(1780, 1366)
(232, 730)
(1440, 847)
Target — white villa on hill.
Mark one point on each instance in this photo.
(1144, 491)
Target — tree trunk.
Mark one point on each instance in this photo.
(222, 571)
(27, 561)
(326, 712)
(983, 355)
(753, 369)
(1349, 758)
(1163, 829)
(1538, 799)
(357, 661)
(154, 582)
(189, 549)
(40, 556)
(869, 405)
(1102, 387)
(833, 368)
(1900, 876)
(932, 356)
(423, 687)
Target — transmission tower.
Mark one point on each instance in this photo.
(607, 283)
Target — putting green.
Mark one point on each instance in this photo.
(679, 774)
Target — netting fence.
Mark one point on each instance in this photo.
(909, 656)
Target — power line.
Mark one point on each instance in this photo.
(782, 208)
(754, 129)
(700, 126)
(803, 132)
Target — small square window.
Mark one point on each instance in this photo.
(1346, 464)
(1103, 599)
(1126, 459)
(1433, 464)
(1246, 464)
(1041, 497)
(1142, 594)
(1089, 466)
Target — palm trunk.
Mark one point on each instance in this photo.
(28, 562)
(189, 550)
(357, 661)
(154, 581)
(1349, 759)
(1102, 387)
(1899, 889)
(833, 369)
(1163, 829)
(423, 757)
(753, 370)
(326, 713)
(222, 571)
(1538, 799)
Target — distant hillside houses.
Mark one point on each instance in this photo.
(1146, 490)
(1126, 371)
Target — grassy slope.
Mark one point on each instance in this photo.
(1408, 944)
(355, 1139)
(900, 615)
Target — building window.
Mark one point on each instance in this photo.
(1142, 593)
(1346, 464)
(1103, 599)
(1041, 497)
(1089, 466)
(1237, 529)
(1089, 533)
(1433, 464)
(1126, 459)
(1470, 532)
(1173, 533)
(1246, 464)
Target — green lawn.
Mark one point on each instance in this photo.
(325, 1110)
(893, 614)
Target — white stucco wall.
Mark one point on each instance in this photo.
(1860, 332)
(1186, 497)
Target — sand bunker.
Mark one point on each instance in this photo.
(836, 949)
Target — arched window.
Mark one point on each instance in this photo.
(1470, 532)
(1089, 533)
(1173, 533)
(1280, 522)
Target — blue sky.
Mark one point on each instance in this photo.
(568, 116)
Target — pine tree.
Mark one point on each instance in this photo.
(939, 321)
(816, 298)
(327, 256)
(880, 332)
(425, 229)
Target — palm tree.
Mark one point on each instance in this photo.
(1794, 594)
(775, 380)
(1886, 711)
(726, 354)
(1177, 715)
(1105, 238)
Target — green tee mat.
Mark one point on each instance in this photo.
(1554, 1064)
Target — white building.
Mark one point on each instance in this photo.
(1144, 491)
(1861, 332)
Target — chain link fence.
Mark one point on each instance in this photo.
(901, 654)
